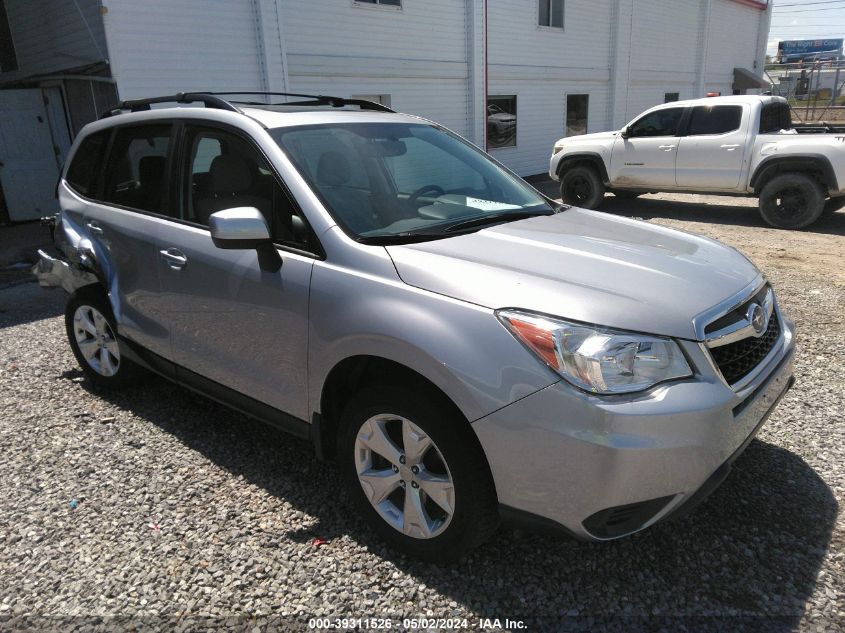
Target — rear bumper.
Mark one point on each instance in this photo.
(53, 270)
(603, 468)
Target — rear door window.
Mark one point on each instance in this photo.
(84, 170)
(706, 120)
(136, 174)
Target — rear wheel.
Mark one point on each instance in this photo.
(415, 472)
(792, 201)
(581, 186)
(91, 332)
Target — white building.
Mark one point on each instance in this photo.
(514, 75)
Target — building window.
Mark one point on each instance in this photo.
(551, 13)
(386, 3)
(8, 57)
(577, 109)
(501, 121)
(670, 97)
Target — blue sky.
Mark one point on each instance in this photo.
(806, 20)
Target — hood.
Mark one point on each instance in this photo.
(585, 266)
(587, 138)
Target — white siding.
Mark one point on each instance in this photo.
(163, 46)
(51, 36)
(732, 43)
(417, 54)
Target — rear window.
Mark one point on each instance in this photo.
(714, 119)
(84, 169)
(775, 117)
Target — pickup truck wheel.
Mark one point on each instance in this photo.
(582, 187)
(91, 332)
(832, 205)
(791, 201)
(414, 470)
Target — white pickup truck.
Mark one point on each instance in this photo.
(739, 145)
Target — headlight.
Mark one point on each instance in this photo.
(556, 149)
(596, 359)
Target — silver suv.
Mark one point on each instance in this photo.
(467, 349)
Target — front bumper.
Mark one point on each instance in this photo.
(580, 460)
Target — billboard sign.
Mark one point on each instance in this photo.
(809, 50)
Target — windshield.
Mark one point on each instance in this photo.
(382, 180)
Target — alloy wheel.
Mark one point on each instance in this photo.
(96, 340)
(404, 476)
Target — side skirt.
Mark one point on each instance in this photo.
(215, 391)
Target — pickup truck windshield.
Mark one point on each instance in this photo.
(388, 182)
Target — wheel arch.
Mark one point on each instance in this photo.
(818, 166)
(592, 159)
(350, 375)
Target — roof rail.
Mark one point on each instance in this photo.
(314, 100)
(139, 105)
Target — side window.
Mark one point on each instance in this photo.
(223, 171)
(501, 121)
(658, 123)
(136, 174)
(714, 120)
(775, 117)
(84, 170)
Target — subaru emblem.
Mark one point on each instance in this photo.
(757, 318)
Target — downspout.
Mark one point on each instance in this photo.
(486, 77)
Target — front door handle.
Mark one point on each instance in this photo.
(95, 228)
(666, 148)
(174, 258)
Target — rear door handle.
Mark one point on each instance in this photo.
(174, 258)
(667, 148)
(730, 148)
(95, 228)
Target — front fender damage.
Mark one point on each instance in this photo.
(71, 264)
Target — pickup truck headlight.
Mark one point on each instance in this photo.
(596, 359)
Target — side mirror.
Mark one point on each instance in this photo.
(238, 228)
(245, 228)
(624, 132)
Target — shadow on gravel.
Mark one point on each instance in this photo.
(25, 301)
(726, 214)
(747, 559)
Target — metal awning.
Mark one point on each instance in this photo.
(744, 79)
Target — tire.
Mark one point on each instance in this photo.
(832, 205)
(791, 201)
(91, 329)
(582, 187)
(626, 195)
(452, 468)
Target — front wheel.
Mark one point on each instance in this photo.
(832, 205)
(792, 201)
(582, 187)
(91, 332)
(416, 473)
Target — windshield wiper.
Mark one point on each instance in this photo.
(494, 218)
(408, 237)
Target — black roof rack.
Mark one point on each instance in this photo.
(216, 100)
(314, 100)
(139, 105)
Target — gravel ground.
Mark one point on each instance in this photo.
(157, 508)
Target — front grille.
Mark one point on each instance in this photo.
(737, 360)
